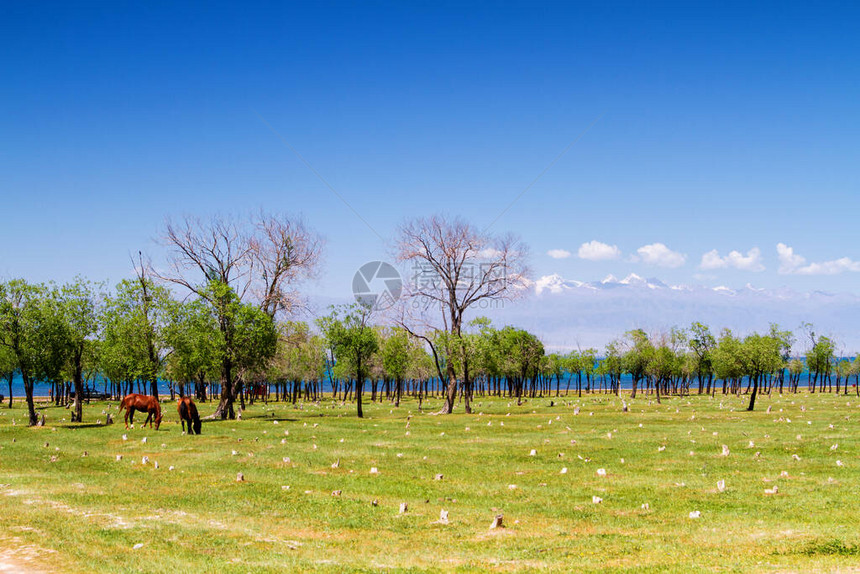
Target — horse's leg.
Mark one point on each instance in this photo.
(148, 419)
(130, 413)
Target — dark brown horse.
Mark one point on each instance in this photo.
(188, 413)
(143, 403)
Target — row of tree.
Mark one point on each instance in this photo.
(139, 335)
(221, 314)
(512, 362)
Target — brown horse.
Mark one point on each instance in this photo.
(143, 403)
(188, 413)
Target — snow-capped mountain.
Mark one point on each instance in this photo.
(568, 312)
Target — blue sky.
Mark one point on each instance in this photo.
(714, 126)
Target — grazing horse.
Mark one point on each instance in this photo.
(143, 403)
(188, 413)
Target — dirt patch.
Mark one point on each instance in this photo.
(18, 557)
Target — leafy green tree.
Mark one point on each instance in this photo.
(354, 342)
(819, 360)
(136, 322)
(294, 362)
(195, 341)
(639, 353)
(843, 372)
(573, 365)
(7, 368)
(230, 263)
(854, 371)
(760, 355)
(612, 364)
(702, 343)
(396, 356)
(245, 340)
(795, 369)
(80, 305)
(727, 358)
(555, 369)
(660, 367)
(522, 353)
(33, 331)
(253, 339)
(588, 364)
(786, 342)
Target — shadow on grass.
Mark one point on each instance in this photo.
(73, 426)
(248, 418)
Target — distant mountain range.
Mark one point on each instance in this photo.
(567, 313)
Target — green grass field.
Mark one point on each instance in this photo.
(65, 512)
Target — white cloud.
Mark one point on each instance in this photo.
(793, 264)
(749, 262)
(558, 253)
(660, 255)
(788, 261)
(597, 251)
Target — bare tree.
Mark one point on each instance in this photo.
(261, 259)
(284, 252)
(457, 267)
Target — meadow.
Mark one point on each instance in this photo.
(691, 484)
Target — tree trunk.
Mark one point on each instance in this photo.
(79, 388)
(28, 392)
(398, 385)
(225, 405)
(451, 391)
(359, 387)
(752, 396)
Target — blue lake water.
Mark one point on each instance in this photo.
(42, 389)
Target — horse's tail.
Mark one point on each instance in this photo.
(195, 417)
(122, 404)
